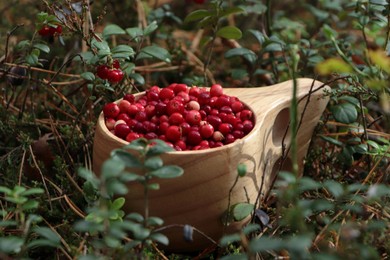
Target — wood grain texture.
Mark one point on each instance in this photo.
(200, 196)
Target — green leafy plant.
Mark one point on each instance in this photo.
(20, 216)
(105, 217)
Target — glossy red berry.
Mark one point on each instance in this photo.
(115, 75)
(111, 110)
(193, 117)
(173, 133)
(44, 31)
(102, 71)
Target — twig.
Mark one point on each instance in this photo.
(42, 177)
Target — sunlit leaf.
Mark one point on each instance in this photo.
(229, 32)
(380, 59)
(333, 65)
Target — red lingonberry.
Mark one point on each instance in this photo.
(185, 128)
(102, 71)
(246, 114)
(175, 106)
(225, 128)
(116, 64)
(129, 97)
(179, 88)
(193, 117)
(176, 118)
(216, 90)
(111, 110)
(173, 133)
(248, 126)
(122, 130)
(166, 93)
(132, 136)
(115, 75)
(229, 138)
(206, 131)
(215, 121)
(124, 106)
(110, 123)
(237, 106)
(44, 31)
(194, 137)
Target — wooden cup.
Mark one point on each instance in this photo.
(200, 197)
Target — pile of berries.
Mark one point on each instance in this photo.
(187, 118)
(47, 30)
(111, 73)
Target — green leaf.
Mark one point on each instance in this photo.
(116, 187)
(122, 51)
(154, 221)
(22, 45)
(31, 204)
(258, 35)
(42, 47)
(11, 244)
(118, 203)
(135, 217)
(307, 184)
(154, 52)
(242, 210)
(5, 190)
(264, 243)
(153, 163)
(42, 16)
(160, 238)
(229, 32)
(249, 55)
(335, 188)
(332, 140)
(329, 32)
(112, 168)
(127, 158)
(112, 29)
(231, 10)
(150, 28)
(197, 15)
(103, 45)
(32, 191)
(89, 176)
(32, 59)
(88, 76)
(344, 113)
(138, 78)
(50, 239)
(165, 172)
(135, 33)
